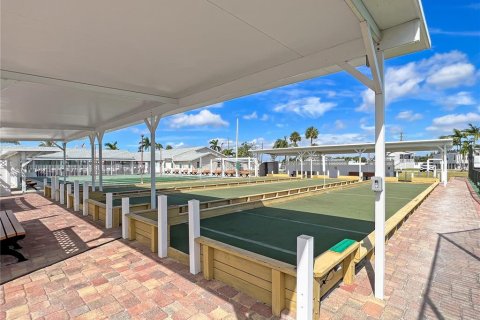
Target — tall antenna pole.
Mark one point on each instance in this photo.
(236, 152)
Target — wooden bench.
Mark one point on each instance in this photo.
(10, 232)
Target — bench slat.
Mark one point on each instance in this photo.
(15, 223)
(9, 231)
(3, 236)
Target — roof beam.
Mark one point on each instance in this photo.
(357, 75)
(18, 76)
(372, 57)
(51, 126)
(362, 13)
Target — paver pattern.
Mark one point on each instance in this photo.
(53, 234)
(432, 272)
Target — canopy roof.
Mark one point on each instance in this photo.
(10, 151)
(419, 145)
(73, 67)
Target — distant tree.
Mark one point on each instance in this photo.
(311, 133)
(294, 138)
(111, 145)
(214, 145)
(48, 143)
(228, 152)
(281, 143)
(245, 149)
(158, 146)
(144, 144)
(474, 132)
(168, 147)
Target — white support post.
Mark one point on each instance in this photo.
(257, 168)
(57, 188)
(162, 226)
(311, 166)
(211, 167)
(109, 210)
(223, 167)
(193, 233)
(100, 160)
(62, 193)
(445, 166)
(152, 125)
(301, 167)
(92, 151)
(76, 195)
(64, 148)
(305, 277)
(45, 184)
(69, 192)
(85, 198)
(52, 187)
(380, 172)
(125, 220)
(24, 183)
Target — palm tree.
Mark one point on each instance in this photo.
(294, 138)
(311, 133)
(111, 145)
(281, 143)
(168, 147)
(474, 132)
(158, 146)
(48, 143)
(144, 144)
(228, 152)
(214, 145)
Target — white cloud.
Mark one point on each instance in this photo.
(369, 129)
(461, 98)
(450, 121)
(339, 124)
(175, 145)
(452, 76)
(409, 115)
(426, 79)
(139, 131)
(454, 33)
(251, 116)
(264, 117)
(306, 107)
(201, 119)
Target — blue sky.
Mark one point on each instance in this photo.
(428, 94)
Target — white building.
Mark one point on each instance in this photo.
(403, 160)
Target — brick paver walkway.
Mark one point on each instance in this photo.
(433, 271)
(53, 234)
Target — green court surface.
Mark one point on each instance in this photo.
(179, 198)
(329, 218)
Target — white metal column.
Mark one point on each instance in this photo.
(64, 148)
(92, 148)
(445, 166)
(380, 172)
(152, 125)
(100, 160)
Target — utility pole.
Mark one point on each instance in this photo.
(401, 135)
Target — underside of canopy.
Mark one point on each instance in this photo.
(70, 68)
(397, 146)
